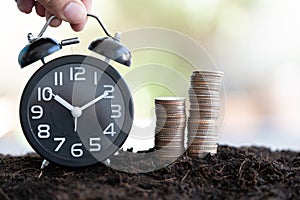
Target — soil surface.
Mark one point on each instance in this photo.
(234, 173)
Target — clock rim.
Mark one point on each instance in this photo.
(58, 62)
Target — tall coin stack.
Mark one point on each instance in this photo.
(205, 102)
(170, 126)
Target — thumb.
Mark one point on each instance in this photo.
(72, 11)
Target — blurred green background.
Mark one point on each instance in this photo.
(256, 44)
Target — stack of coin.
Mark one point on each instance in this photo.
(170, 126)
(205, 103)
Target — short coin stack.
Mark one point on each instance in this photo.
(170, 126)
(204, 112)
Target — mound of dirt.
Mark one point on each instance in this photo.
(234, 173)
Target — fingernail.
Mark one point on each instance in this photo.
(74, 13)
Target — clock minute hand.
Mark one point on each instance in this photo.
(62, 101)
(105, 94)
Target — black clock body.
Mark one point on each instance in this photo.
(76, 111)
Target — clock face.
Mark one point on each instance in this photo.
(76, 110)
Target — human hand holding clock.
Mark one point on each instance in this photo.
(47, 111)
(72, 11)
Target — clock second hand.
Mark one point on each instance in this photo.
(76, 111)
(75, 123)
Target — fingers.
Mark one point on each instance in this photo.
(40, 9)
(72, 11)
(55, 22)
(80, 26)
(25, 5)
(88, 4)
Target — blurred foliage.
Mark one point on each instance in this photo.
(202, 20)
(198, 18)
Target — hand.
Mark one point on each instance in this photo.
(75, 123)
(75, 111)
(61, 101)
(105, 94)
(72, 11)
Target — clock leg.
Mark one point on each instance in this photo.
(45, 163)
(107, 162)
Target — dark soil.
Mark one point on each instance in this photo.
(234, 173)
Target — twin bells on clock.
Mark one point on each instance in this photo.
(40, 47)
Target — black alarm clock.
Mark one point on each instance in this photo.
(76, 110)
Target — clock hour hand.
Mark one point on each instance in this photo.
(62, 101)
(105, 94)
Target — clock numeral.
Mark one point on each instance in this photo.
(43, 131)
(76, 151)
(95, 78)
(61, 142)
(110, 130)
(77, 74)
(116, 111)
(109, 89)
(95, 144)
(37, 112)
(58, 78)
(44, 94)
